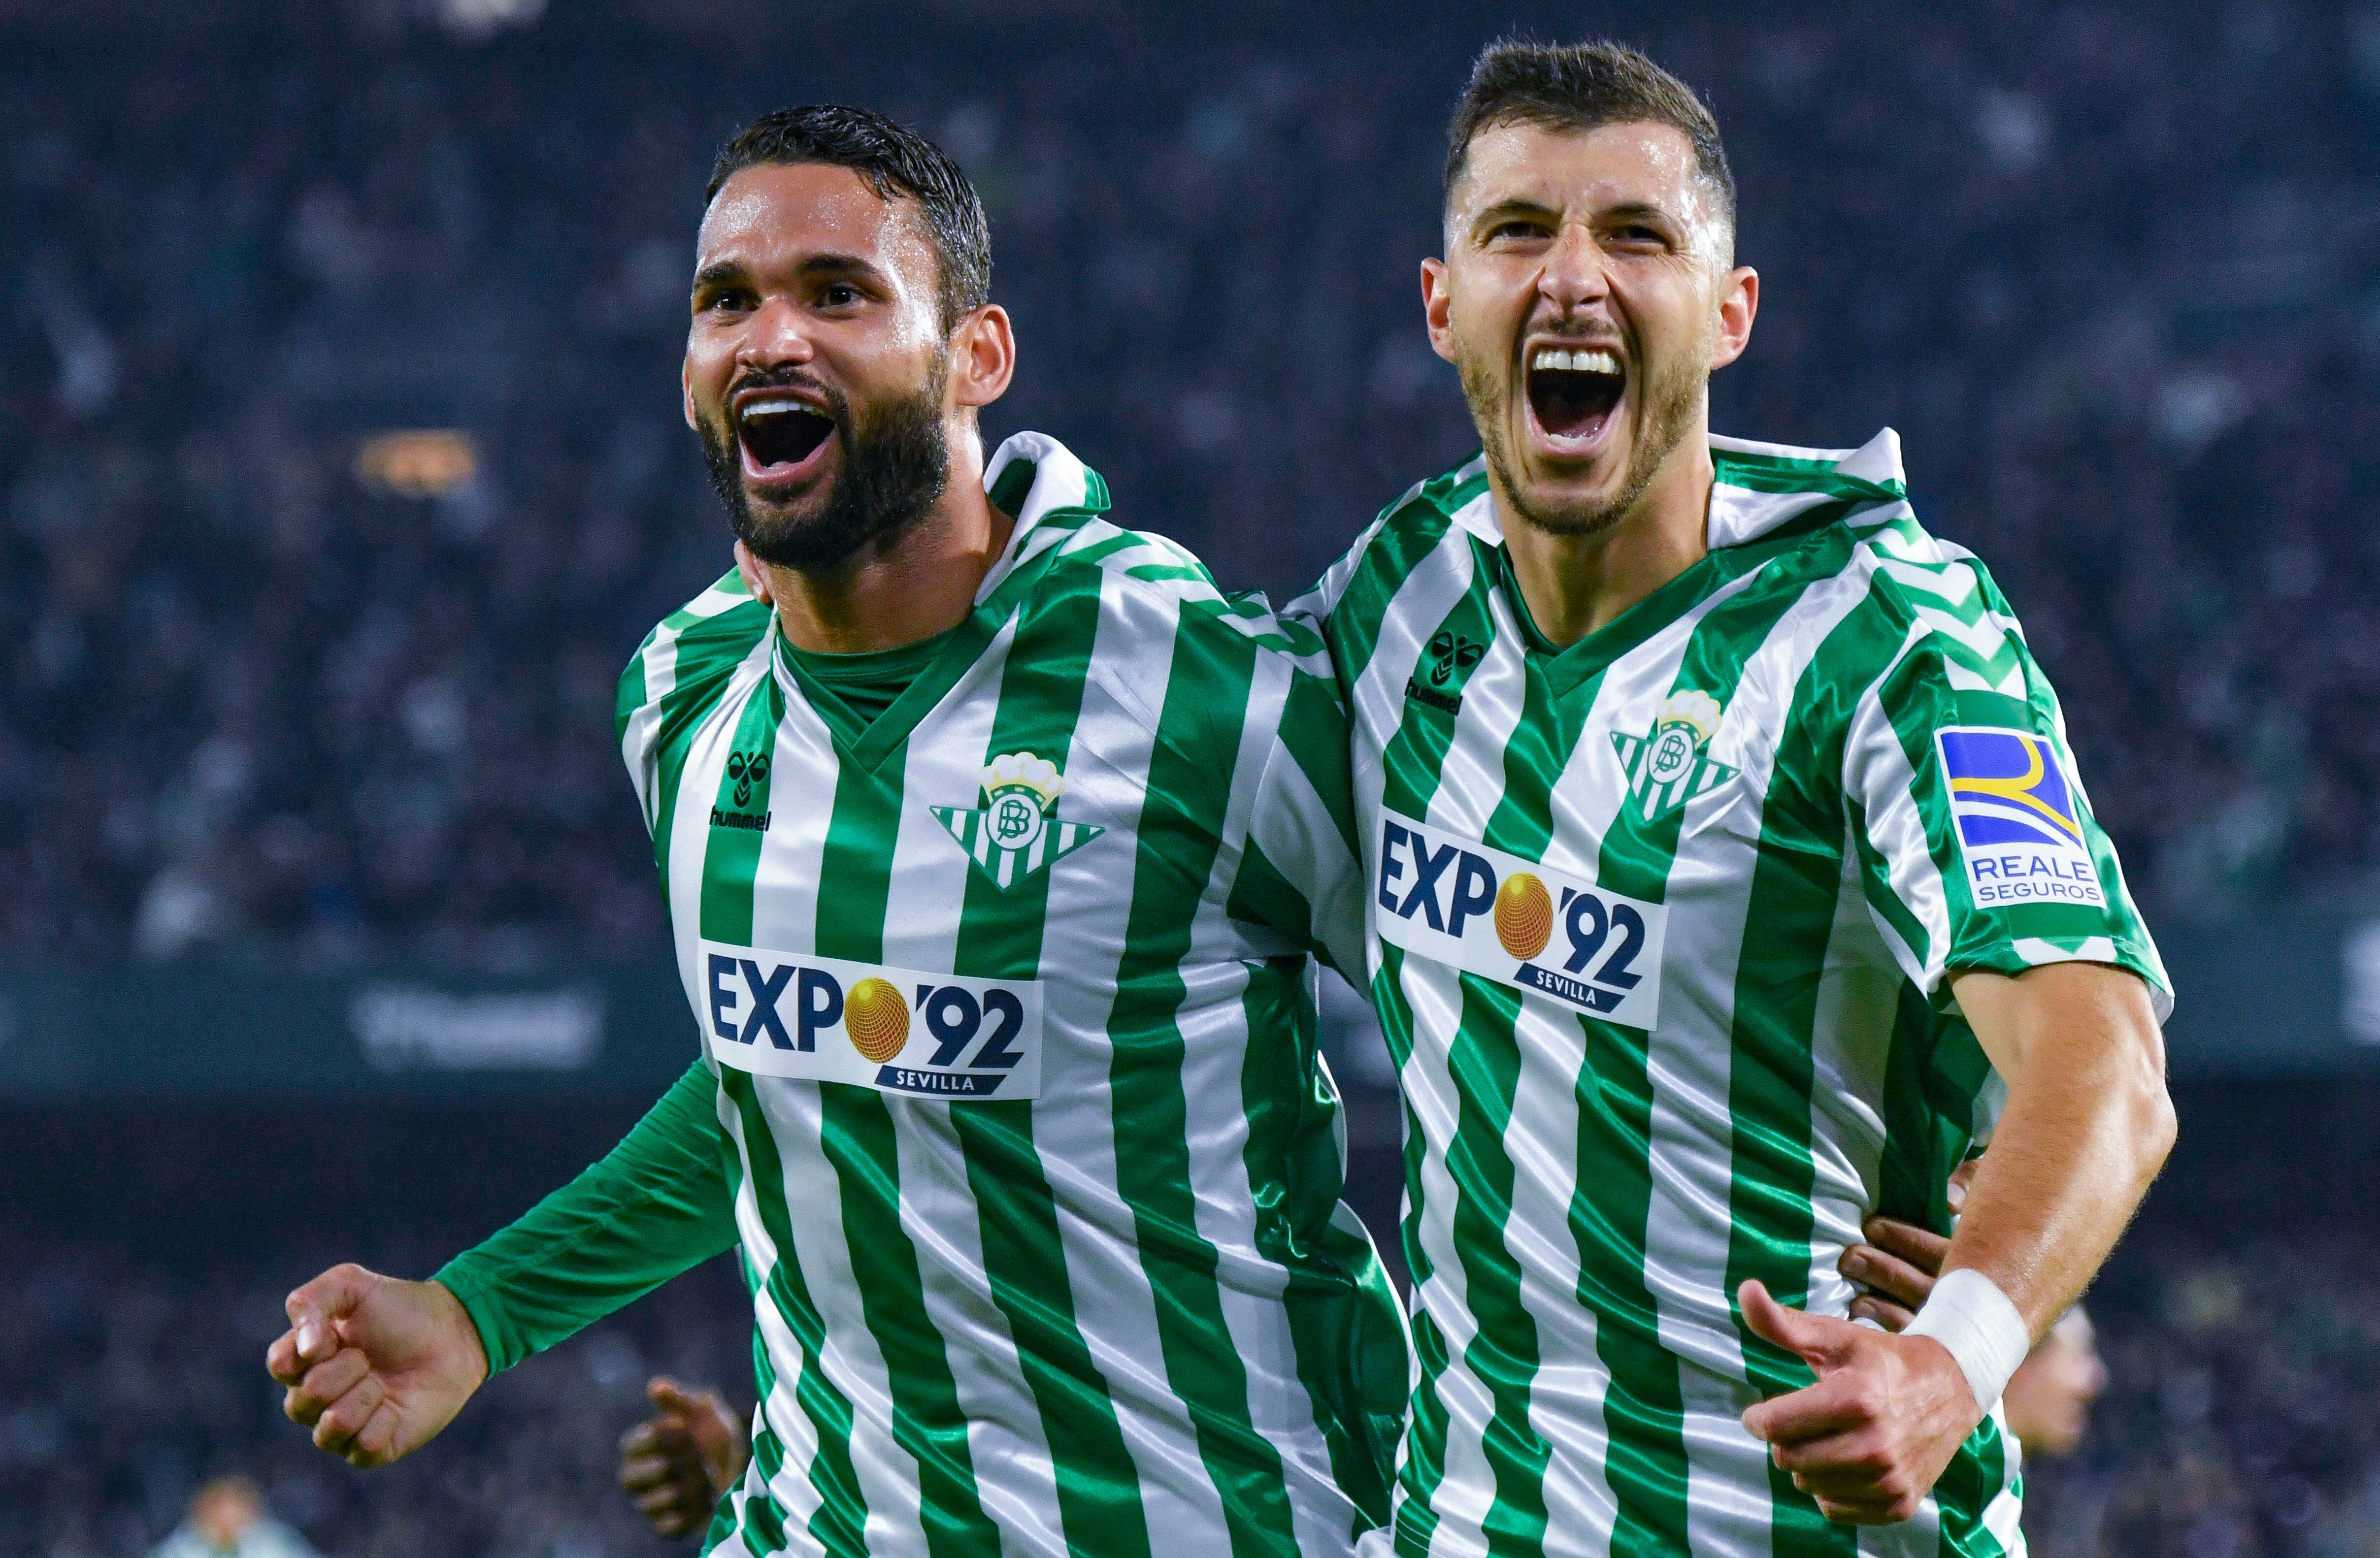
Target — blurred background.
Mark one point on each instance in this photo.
(341, 469)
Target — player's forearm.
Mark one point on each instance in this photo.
(656, 1204)
(2087, 1127)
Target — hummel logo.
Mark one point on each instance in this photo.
(747, 770)
(1452, 656)
(1449, 652)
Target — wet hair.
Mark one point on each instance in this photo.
(897, 163)
(1582, 86)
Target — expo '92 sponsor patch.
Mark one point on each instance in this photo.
(935, 1035)
(2018, 825)
(1519, 922)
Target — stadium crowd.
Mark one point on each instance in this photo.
(2114, 272)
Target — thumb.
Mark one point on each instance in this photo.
(315, 1308)
(1814, 1338)
(672, 1397)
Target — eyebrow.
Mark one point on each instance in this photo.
(1520, 205)
(830, 263)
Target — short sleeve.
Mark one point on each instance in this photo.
(1977, 843)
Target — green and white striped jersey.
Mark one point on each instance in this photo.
(1011, 1008)
(1660, 926)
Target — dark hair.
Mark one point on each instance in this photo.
(894, 160)
(1582, 86)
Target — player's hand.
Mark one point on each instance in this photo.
(1887, 1413)
(1896, 1268)
(375, 1365)
(679, 1463)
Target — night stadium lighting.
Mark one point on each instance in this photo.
(418, 462)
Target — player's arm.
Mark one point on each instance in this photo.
(1300, 873)
(2087, 1127)
(2056, 994)
(376, 1365)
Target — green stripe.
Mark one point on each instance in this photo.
(1393, 555)
(1024, 1260)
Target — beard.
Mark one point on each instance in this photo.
(1668, 397)
(893, 465)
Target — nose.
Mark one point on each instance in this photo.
(775, 336)
(1574, 277)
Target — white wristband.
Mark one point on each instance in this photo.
(1970, 1316)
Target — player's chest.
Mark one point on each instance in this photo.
(884, 919)
(1547, 831)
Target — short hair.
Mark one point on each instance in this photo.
(1582, 86)
(897, 163)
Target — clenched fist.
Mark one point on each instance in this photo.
(376, 1366)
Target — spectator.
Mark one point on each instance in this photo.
(227, 1521)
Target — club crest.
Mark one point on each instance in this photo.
(1665, 766)
(1016, 832)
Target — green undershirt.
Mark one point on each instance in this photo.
(850, 691)
(659, 1203)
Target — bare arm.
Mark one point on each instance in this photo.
(2087, 1126)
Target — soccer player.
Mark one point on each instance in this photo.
(1730, 876)
(995, 845)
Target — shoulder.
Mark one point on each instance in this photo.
(1450, 508)
(686, 660)
(1161, 643)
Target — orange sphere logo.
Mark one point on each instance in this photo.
(1524, 915)
(876, 1021)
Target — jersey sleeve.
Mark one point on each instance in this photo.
(1977, 845)
(1299, 873)
(657, 1204)
(672, 678)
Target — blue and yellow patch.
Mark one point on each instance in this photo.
(2018, 825)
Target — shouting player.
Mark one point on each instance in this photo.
(1730, 877)
(994, 844)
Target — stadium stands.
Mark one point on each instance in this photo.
(2109, 271)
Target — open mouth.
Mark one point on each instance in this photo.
(779, 434)
(1573, 393)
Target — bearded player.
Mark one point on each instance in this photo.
(994, 845)
(1730, 878)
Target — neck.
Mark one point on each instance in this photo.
(922, 583)
(1574, 585)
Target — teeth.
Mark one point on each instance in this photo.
(1556, 361)
(770, 405)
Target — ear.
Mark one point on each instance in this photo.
(1738, 300)
(1436, 308)
(983, 357)
(685, 391)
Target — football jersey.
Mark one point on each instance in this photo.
(1011, 1007)
(1660, 926)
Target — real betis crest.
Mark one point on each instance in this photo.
(1666, 766)
(1015, 833)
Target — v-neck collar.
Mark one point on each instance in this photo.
(1764, 498)
(1035, 478)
